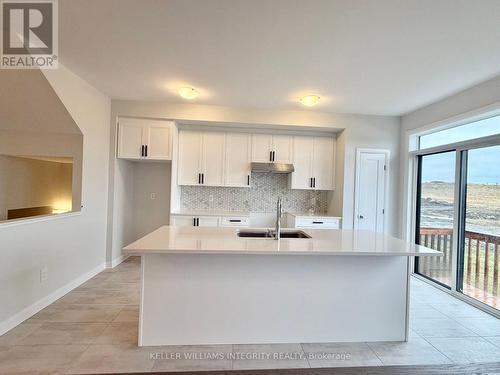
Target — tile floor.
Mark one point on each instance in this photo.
(94, 329)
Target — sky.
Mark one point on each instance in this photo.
(483, 164)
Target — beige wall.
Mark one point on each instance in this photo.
(33, 183)
(71, 247)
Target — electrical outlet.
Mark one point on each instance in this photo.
(152, 196)
(44, 274)
(210, 198)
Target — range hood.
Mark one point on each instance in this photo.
(272, 168)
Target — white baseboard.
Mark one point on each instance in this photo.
(116, 261)
(31, 310)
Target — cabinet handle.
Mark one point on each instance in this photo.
(198, 222)
(270, 156)
(248, 180)
(314, 182)
(199, 178)
(194, 221)
(234, 221)
(318, 222)
(142, 150)
(146, 151)
(203, 178)
(274, 155)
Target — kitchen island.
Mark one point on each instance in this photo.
(205, 285)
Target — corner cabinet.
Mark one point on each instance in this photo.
(314, 162)
(140, 139)
(201, 158)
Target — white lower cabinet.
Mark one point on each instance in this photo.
(209, 221)
(194, 221)
(312, 222)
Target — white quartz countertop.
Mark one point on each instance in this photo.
(219, 240)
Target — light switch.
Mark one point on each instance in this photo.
(152, 196)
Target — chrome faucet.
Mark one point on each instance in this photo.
(279, 214)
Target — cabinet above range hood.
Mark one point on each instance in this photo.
(272, 168)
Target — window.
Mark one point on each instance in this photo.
(472, 130)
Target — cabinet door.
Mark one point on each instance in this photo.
(282, 147)
(261, 148)
(189, 166)
(213, 158)
(208, 221)
(302, 161)
(237, 167)
(130, 138)
(159, 140)
(182, 221)
(323, 163)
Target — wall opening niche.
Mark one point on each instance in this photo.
(41, 149)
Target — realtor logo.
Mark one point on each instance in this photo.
(29, 34)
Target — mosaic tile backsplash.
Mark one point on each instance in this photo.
(262, 195)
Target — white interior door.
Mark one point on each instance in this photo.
(370, 190)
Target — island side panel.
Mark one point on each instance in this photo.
(191, 299)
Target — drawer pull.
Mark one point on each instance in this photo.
(318, 222)
(234, 220)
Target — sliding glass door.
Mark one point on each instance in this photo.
(479, 223)
(458, 209)
(435, 214)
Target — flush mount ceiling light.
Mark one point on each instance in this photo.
(309, 100)
(188, 93)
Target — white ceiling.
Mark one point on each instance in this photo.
(384, 57)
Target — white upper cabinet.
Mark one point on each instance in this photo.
(201, 158)
(212, 160)
(158, 136)
(189, 163)
(302, 162)
(324, 163)
(237, 165)
(268, 148)
(282, 148)
(144, 139)
(313, 159)
(262, 145)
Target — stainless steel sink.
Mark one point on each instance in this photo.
(262, 233)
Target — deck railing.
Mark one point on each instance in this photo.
(481, 258)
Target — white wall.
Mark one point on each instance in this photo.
(358, 131)
(486, 94)
(72, 246)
